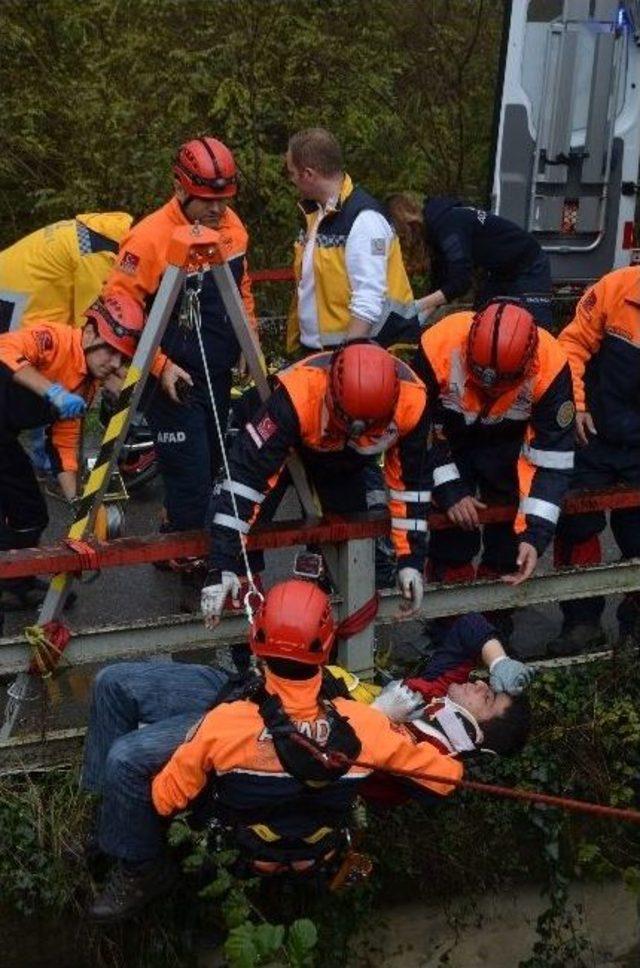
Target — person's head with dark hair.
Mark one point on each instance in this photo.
(495, 721)
(314, 164)
(507, 734)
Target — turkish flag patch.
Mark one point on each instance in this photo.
(129, 263)
(261, 432)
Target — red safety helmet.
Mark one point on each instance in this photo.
(363, 388)
(501, 346)
(206, 169)
(294, 622)
(119, 320)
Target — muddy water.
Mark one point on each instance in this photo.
(499, 931)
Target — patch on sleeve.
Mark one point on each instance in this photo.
(128, 263)
(566, 413)
(378, 247)
(261, 432)
(44, 340)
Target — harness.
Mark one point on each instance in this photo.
(303, 835)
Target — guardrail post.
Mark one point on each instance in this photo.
(356, 574)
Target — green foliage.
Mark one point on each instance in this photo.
(585, 745)
(97, 95)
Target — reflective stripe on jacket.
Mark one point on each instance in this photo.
(538, 412)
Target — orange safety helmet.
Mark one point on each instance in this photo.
(206, 169)
(294, 622)
(363, 388)
(119, 320)
(501, 345)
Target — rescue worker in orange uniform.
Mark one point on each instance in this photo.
(602, 343)
(337, 409)
(48, 376)
(287, 808)
(504, 417)
(441, 708)
(205, 180)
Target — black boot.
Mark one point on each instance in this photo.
(130, 887)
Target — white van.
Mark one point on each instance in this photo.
(567, 147)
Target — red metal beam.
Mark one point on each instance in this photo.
(331, 529)
(576, 502)
(272, 275)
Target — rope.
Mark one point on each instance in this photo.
(359, 620)
(191, 317)
(335, 758)
(47, 643)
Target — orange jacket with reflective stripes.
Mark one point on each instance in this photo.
(233, 744)
(603, 345)
(138, 270)
(296, 416)
(55, 350)
(531, 423)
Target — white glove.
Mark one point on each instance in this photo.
(399, 703)
(214, 596)
(509, 675)
(411, 584)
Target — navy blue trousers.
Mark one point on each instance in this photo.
(601, 464)
(188, 448)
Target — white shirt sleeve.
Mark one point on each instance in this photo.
(366, 256)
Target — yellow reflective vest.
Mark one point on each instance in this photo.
(55, 273)
(399, 321)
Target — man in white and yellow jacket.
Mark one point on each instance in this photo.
(351, 281)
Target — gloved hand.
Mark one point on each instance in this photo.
(214, 595)
(509, 675)
(68, 405)
(399, 703)
(411, 584)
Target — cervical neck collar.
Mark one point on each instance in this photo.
(451, 724)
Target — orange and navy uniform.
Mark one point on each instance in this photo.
(602, 343)
(55, 350)
(529, 426)
(138, 270)
(232, 745)
(296, 416)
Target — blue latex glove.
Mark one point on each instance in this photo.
(68, 405)
(509, 675)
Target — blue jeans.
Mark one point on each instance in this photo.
(121, 759)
